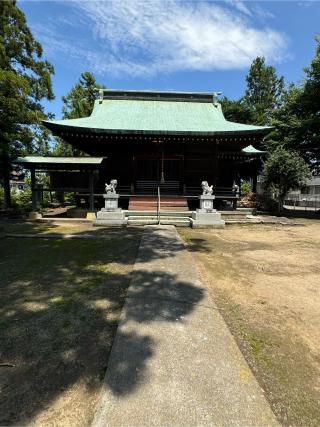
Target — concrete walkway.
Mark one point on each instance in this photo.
(174, 361)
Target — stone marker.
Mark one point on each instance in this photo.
(111, 214)
(206, 216)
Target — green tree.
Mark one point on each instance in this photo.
(284, 171)
(25, 79)
(79, 101)
(42, 141)
(297, 121)
(61, 148)
(237, 111)
(264, 91)
(306, 137)
(306, 110)
(287, 120)
(76, 104)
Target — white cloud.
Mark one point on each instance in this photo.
(261, 12)
(240, 5)
(146, 37)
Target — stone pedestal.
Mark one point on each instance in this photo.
(111, 214)
(206, 203)
(206, 216)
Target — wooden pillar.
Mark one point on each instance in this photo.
(254, 182)
(182, 176)
(133, 173)
(33, 189)
(215, 165)
(91, 190)
(183, 185)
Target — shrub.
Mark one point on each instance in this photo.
(21, 199)
(257, 201)
(245, 188)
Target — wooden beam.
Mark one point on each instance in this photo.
(33, 189)
(91, 190)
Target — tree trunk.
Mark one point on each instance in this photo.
(280, 204)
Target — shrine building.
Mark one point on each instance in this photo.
(150, 140)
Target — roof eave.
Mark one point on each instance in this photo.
(77, 129)
(57, 162)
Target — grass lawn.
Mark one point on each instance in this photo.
(60, 302)
(265, 281)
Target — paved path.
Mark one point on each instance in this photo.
(173, 361)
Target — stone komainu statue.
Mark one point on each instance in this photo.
(111, 188)
(206, 188)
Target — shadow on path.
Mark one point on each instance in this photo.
(59, 307)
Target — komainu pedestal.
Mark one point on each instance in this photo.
(206, 216)
(111, 214)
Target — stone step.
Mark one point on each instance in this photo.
(176, 222)
(153, 208)
(170, 213)
(155, 199)
(151, 203)
(149, 220)
(142, 222)
(143, 207)
(137, 206)
(154, 218)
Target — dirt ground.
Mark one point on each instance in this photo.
(265, 281)
(60, 302)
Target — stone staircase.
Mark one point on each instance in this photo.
(173, 211)
(150, 203)
(149, 217)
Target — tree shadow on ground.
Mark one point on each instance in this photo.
(157, 297)
(59, 309)
(161, 248)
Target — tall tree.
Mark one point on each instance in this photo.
(25, 79)
(287, 120)
(76, 104)
(297, 122)
(264, 90)
(237, 111)
(307, 108)
(79, 101)
(42, 141)
(284, 171)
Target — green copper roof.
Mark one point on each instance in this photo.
(60, 163)
(155, 113)
(60, 160)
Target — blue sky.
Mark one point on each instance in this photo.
(171, 45)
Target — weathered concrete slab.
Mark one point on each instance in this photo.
(174, 361)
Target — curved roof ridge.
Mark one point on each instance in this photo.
(156, 116)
